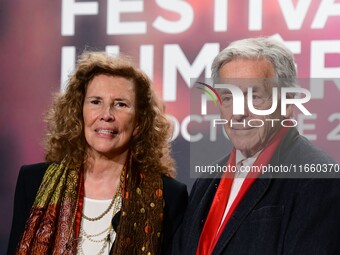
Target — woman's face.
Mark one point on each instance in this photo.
(109, 115)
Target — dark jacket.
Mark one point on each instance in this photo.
(30, 177)
(276, 216)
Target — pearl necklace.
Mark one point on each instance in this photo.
(116, 204)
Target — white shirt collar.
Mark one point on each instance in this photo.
(245, 161)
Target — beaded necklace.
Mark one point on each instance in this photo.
(115, 205)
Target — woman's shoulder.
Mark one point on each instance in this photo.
(176, 200)
(174, 192)
(32, 175)
(171, 184)
(35, 168)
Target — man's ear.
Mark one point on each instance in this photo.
(289, 107)
(289, 111)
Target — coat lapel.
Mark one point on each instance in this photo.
(252, 197)
(247, 204)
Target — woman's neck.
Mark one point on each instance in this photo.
(102, 176)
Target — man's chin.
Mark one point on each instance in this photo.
(248, 152)
(243, 131)
(247, 146)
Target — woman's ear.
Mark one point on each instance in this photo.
(136, 130)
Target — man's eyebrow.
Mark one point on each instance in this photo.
(224, 91)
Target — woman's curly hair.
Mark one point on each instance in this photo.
(149, 148)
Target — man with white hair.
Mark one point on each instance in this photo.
(261, 213)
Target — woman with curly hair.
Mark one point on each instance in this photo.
(107, 184)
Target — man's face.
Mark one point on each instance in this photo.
(245, 73)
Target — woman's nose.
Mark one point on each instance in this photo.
(107, 114)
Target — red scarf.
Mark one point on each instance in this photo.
(212, 230)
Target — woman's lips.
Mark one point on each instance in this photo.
(107, 131)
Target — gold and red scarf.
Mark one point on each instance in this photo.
(55, 218)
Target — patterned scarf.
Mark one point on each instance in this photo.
(54, 221)
(51, 223)
(140, 227)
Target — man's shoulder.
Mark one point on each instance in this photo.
(174, 189)
(172, 184)
(297, 148)
(313, 152)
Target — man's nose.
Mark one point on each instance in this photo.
(240, 117)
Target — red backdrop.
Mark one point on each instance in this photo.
(172, 41)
